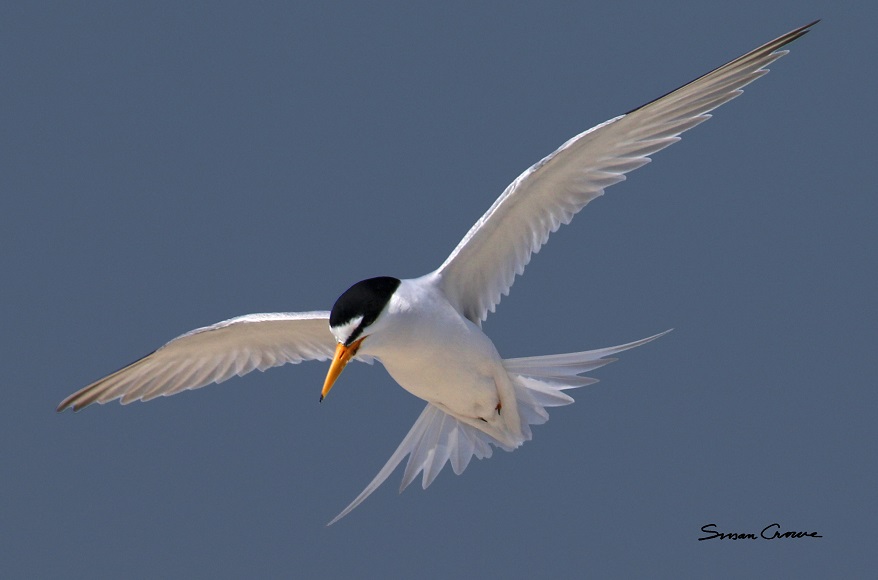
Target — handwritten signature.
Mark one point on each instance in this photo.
(769, 532)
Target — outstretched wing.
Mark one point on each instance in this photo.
(484, 264)
(213, 354)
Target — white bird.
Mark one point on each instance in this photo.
(427, 331)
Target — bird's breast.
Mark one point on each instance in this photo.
(439, 356)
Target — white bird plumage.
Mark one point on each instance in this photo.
(426, 331)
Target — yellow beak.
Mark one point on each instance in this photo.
(343, 354)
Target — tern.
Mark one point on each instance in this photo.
(427, 331)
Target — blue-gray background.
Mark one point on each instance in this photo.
(165, 167)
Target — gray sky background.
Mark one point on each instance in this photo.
(166, 167)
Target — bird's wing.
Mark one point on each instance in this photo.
(484, 264)
(213, 354)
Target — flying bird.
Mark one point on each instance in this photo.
(427, 331)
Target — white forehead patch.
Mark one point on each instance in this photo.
(343, 332)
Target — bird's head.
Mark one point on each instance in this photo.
(352, 318)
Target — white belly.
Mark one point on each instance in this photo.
(443, 358)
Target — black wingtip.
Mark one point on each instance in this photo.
(64, 405)
(321, 399)
(771, 46)
(802, 30)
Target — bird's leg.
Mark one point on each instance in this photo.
(497, 408)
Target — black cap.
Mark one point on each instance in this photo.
(364, 299)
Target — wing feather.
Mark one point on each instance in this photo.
(213, 354)
(483, 266)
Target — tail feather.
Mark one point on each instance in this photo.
(540, 380)
(556, 366)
